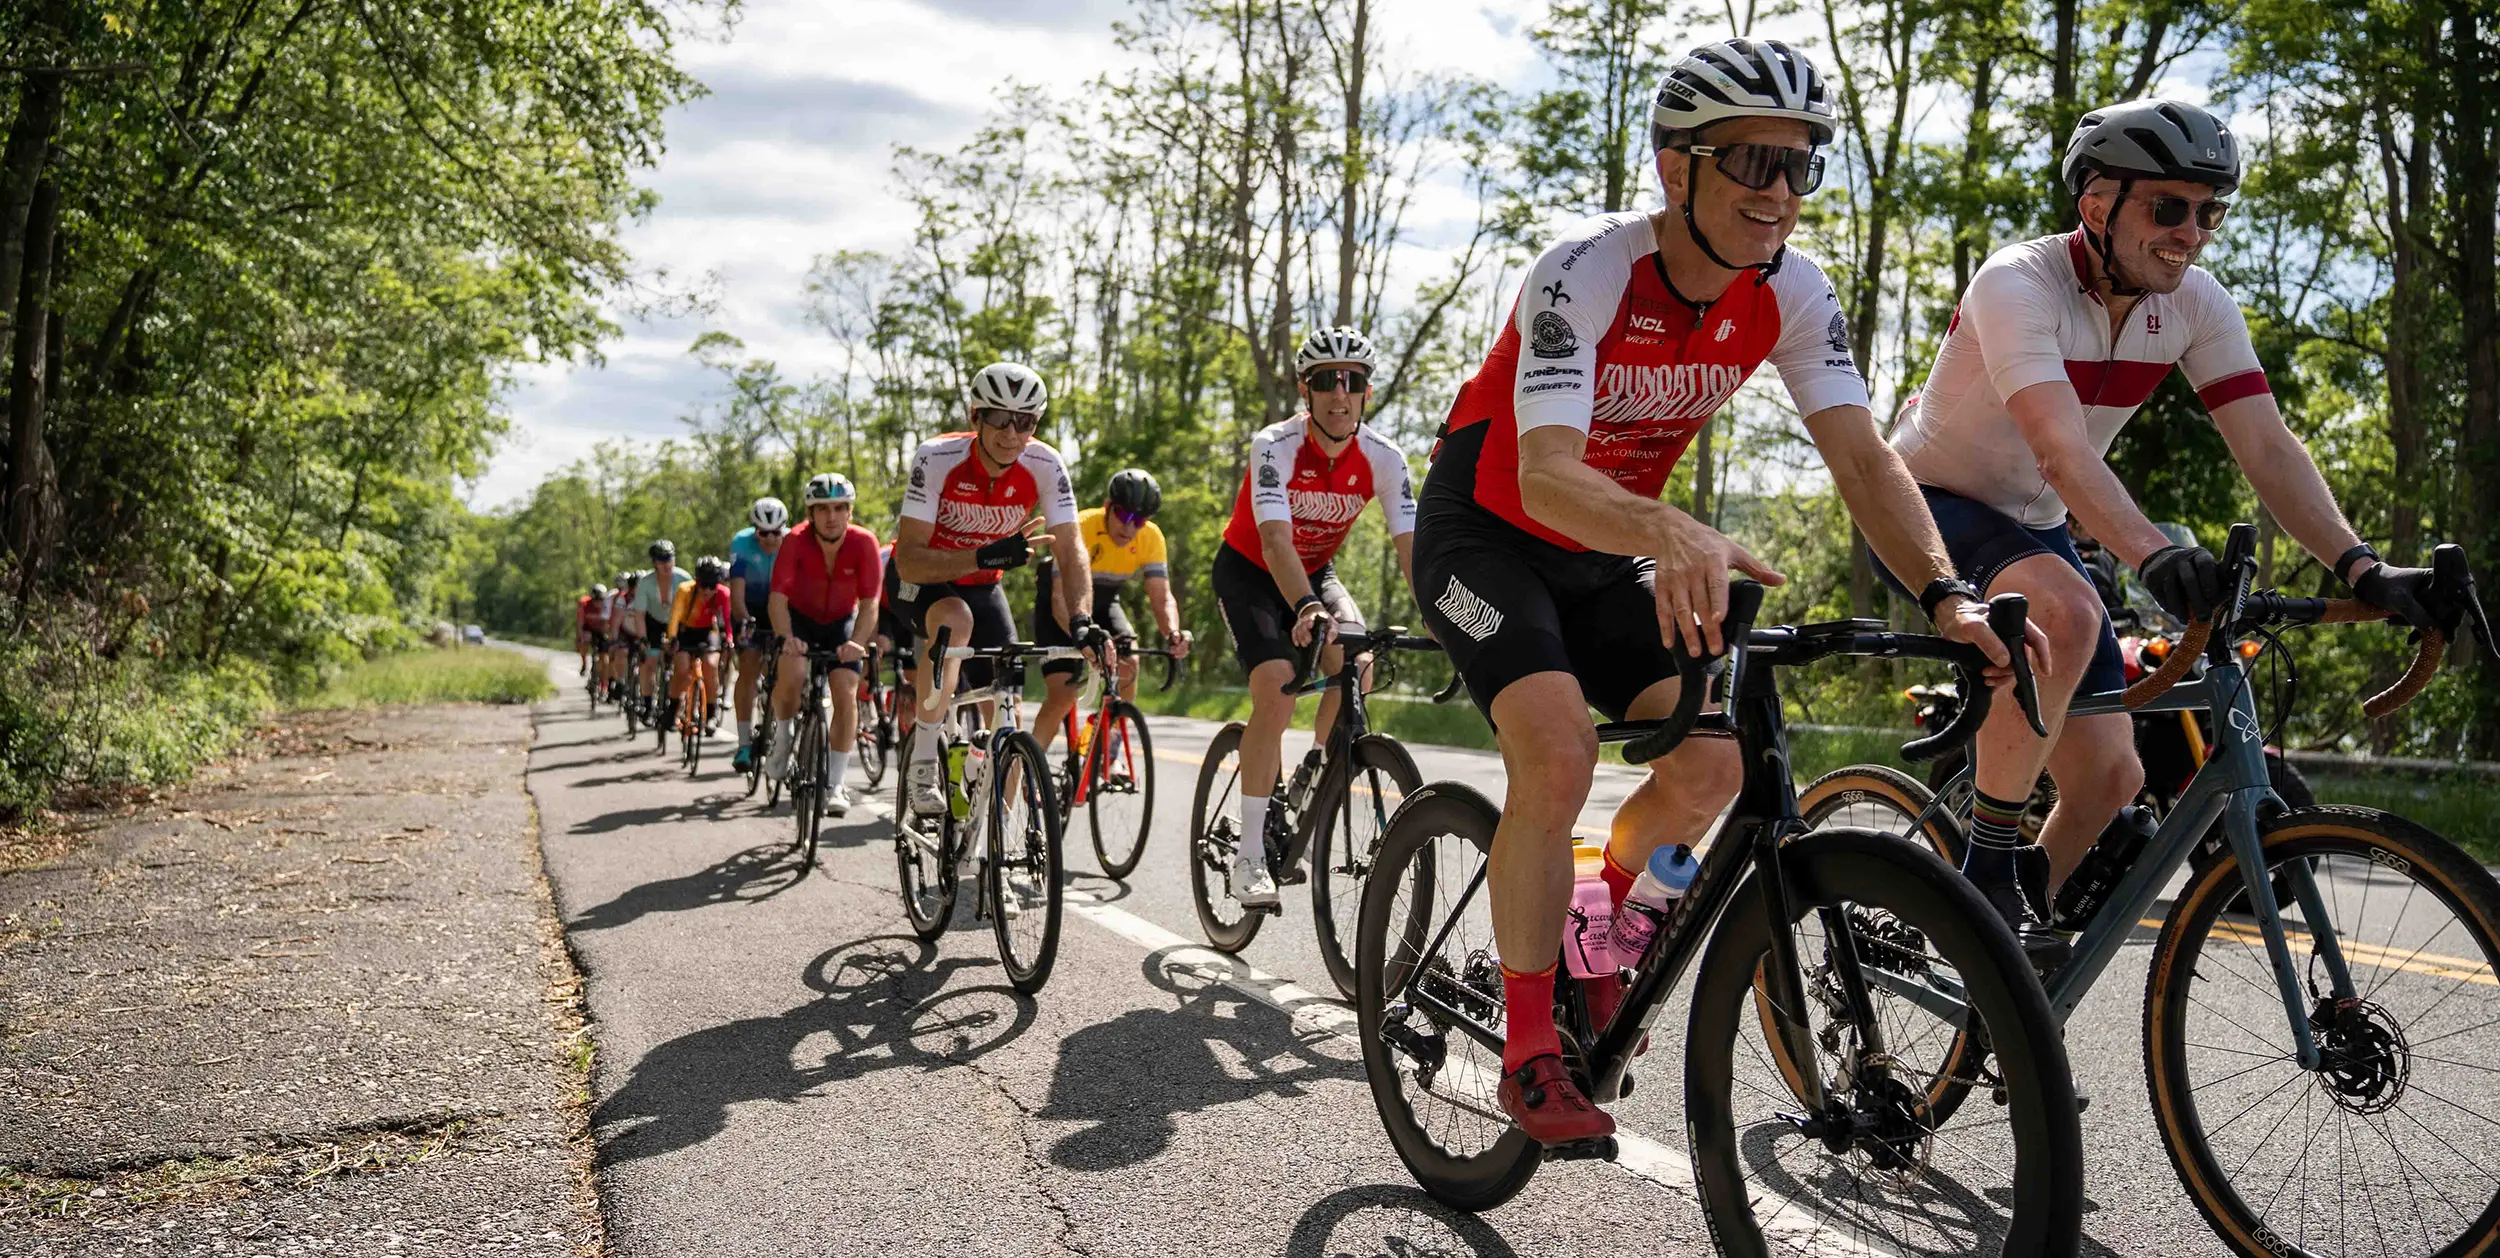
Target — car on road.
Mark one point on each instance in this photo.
(472, 635)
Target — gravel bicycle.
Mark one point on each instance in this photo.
(1001, 819)
(1363, 777)
(1109, 769)
(2329, 1008)
(1855, 1154)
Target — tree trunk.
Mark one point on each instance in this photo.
(1970, 225)
(27, 361)
(2062, 108)
(2479, 300)
(21, 167)
(1350, 172)
(2408, 211)
(1702, 473)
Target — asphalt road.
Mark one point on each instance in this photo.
(783, 1069)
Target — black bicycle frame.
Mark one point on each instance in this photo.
(1336, 780)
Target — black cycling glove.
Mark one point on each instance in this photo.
(2187, 581)
(1007, 552)
(1087, 634)
(2411, 596)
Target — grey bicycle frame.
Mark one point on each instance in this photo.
(2231, 785)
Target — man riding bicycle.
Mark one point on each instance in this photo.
(1275, 576)
(2053, 348)
(654, 598)
(590, 628)
(751, 554)
(698, 619)
(1121, 541)
(964, 512)
(824, 577)
(624, 629)
(1546, 562)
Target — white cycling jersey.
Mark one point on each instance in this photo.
(2032, 316)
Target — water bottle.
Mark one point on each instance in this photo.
(1588, 929)
(1652, 902)
(958, 798)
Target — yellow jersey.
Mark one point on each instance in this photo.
(1114, 564)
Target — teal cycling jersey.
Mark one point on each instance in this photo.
(652, 600)
(747, 560)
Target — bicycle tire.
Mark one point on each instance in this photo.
(1432, 845)
(926, 880)
(2350, 851)
(1337, 893)
(807, 787)
(1122, 731)
(875, 741)
(1030, 845)
(1214, 835)
(1832, 869)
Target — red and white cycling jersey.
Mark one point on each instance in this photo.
(2030, 317)
(1289, 478)
(1600, 341)
(952, 490)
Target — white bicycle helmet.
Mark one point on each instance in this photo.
(1740, 78)
(1010, 387)
(1333, 345)
(829, 487)
(769, 515)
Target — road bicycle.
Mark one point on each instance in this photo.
(695, 722)
(811, 761)
(2371, 950)
(1109, 769)
(1855, 1149)
(595, 686)
(1000, 819)
(760, 741)
(661, 712)
(1362, 778)
(875, 747)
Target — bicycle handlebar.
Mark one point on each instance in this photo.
(1306, 678)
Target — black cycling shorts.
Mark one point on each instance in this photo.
(824, 635)
(695, 641)
(1257, 614)
(1107, 612)
(890, 620)
(1506, 604)
(992, 623)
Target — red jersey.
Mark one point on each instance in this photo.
(591, 614)
(1288, 478)
(1612, 350)
(969, 508)
(826, 588)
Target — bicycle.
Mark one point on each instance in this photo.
(1109, 770)
(1866, 904)
(1363, 777)
(811, 764)
(2346, 1036)
(876, 719)
(596, 683)
(662, 710)
(760, 743)
(694, 722)
(1000, 813)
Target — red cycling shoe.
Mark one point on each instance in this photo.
(1548, 1106)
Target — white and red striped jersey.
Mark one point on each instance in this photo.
(2032, 316)
(1289, 478)
(969, 508)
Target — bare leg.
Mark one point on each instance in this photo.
(1549, 751)
(1684, 792)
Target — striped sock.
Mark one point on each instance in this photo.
(1528, 1017)
(1996, 833)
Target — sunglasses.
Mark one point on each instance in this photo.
(1756, 165)
(770, 533)
(1018, 420)
(1332, 379)
(1128, 517)
(2172, 211)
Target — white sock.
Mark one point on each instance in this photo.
(924, 745)
(836, 763)
(746, 731)
(782, 730)
(1253, 831)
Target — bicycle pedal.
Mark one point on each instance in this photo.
(1602, 1149)
(1624, 1088)
(1268, 910)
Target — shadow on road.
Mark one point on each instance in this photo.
(1838, 1197)
(758, 873)
(882, 1000)
(1134, 1075)
(1314, 1233)
(700, 808)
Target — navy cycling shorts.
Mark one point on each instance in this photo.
(1984, 541)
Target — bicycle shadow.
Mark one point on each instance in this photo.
(1314, 1234)
(1215, 1047)
(883, 1000)
(700, 808)
(751, 876)
(1938, 1201)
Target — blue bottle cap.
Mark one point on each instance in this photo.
(1674, 867)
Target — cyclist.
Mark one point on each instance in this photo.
(1549, 567)
(825, 574)
(590, 628)
(654, 596)
(751, 554)
(625, 628)
(1121, 541)
(1274, 576)
(698, 619)
(894, 635)
(2055, 344)
(964, 513)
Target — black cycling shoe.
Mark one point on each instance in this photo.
(2018, 904)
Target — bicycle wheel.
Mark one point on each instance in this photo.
(2399, 1118)
(1875, 1169)
(1348, 841)
(876, 737)
(926, 873)
(807, 787)
(1214, 835)
(1120, 807)
(1023, 868)
(1432, 1082)
(1875, 797)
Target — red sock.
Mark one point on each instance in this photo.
(1618, 879)
(1528, 1016)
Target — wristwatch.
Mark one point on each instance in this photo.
(1942, 588)
(2351, 557)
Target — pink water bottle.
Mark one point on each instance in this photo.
(1589, 924)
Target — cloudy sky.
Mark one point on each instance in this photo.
(787, 158)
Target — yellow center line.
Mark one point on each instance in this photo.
(2429, 964)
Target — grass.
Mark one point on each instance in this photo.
(437, 675)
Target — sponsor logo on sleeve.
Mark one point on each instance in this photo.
(1838, 333)
(1550, 336)
(1063, 488)
(1268, 479)
(1554, 294)
(1542, 372)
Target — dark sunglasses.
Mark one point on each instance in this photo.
(1756, 165)
(1332, 379)
(2172, 211)
(1017, 420)
(1128, 517)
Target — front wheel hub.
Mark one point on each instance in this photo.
(2364, 1062)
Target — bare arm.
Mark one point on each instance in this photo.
(1283, 562)
(1076, 573)
(921, 564)
(1163, 607)
(2285, 477)
(1405, 542)
(2050, 417)
(777, 609)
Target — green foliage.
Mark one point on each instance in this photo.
(437, 675)
(72, 719)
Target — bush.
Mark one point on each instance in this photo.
(460, 675)
(71, 719)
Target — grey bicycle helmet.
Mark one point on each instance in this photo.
(1740, 78)
(1135, 490)
(1333, 345)
(2152, 139)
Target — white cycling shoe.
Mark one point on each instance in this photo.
(925, 799)
(837, 803)
(1253, 886)
(777, 761)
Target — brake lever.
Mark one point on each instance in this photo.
(2008, 614)
(2448, 565)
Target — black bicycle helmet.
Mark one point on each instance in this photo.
(710, 571)
(663, 551)
(1134, 490)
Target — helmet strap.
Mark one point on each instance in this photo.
(2105, 243)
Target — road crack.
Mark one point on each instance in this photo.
(1036, 1167)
